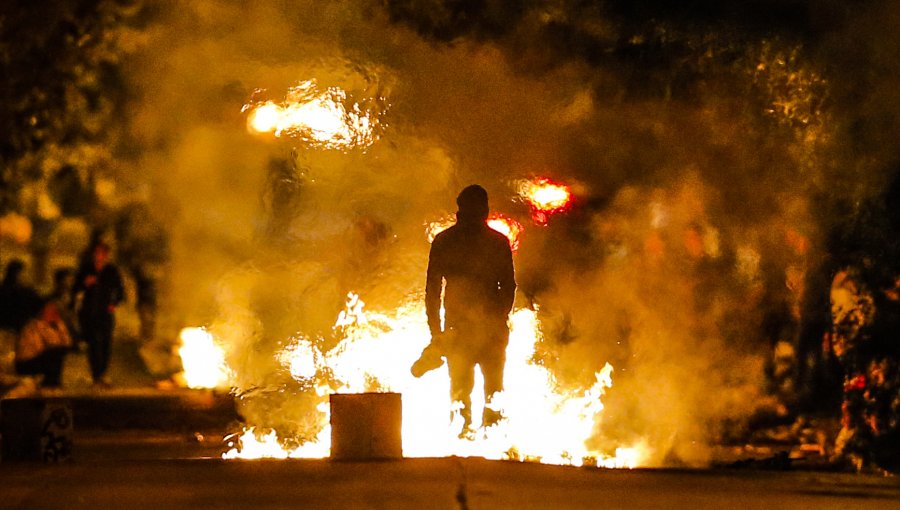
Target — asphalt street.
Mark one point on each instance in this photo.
(448, 483)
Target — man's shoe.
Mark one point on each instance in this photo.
(490, 417)
(467, 433)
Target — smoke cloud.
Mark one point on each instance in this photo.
(698, 160)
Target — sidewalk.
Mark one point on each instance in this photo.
(139, 417)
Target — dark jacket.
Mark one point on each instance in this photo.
(18, 305)
(476, 263)
(106, 291)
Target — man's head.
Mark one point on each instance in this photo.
(63, 279)
(100, 255)
(14, 271)
(473, 204)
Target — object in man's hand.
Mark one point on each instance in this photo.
(430, 359)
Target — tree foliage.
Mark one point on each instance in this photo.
(61, 93)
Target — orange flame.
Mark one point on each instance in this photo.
(507, 226)
(202, 359)
(545, 198)
(320, 118)
(384, 345)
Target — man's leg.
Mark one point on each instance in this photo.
(48, 364)
(52, 366)
(89, 332)
(492, 361)
(30, 367)
(462, 381)
(103, 337)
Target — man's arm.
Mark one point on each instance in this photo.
(434, 281)
(507, 280)
(117, 286)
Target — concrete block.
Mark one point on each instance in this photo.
(35, 429)
(366, 426)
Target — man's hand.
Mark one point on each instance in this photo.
(430, 359)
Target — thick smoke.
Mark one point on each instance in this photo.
(694, 222)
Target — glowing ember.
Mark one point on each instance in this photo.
(202, 360)
(320, 118)
(545, 198)
(379, 351)
(507, 226)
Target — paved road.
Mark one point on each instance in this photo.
(452, 483)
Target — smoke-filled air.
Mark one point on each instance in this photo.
(302, 154)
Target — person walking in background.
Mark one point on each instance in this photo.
(99, 285)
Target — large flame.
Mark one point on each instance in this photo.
(320, 118)
(543, 422)
(202, 359)
(544, 197)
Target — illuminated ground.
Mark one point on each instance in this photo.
(424, 483)
(146, 462)
(142, 447)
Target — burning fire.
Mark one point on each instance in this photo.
(507, 226)
(377, 351)
(202, 359)
(436, 227)
(320, 118)
(381, 348)
(544, 197)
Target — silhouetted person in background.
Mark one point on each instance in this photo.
(19, 302)
(85, 266)
(473, 265)
(101, 289)
(41, 340)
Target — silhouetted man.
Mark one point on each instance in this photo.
(100, 284)
(473, 265)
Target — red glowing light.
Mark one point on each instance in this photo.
(545, 198)
(857, 383)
